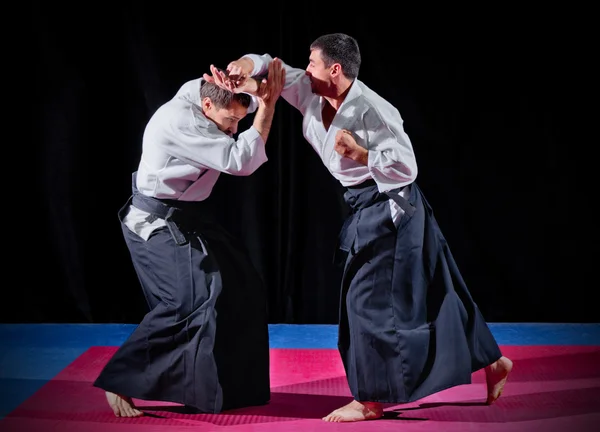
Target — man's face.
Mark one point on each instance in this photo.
(226, 119)
(319, 74)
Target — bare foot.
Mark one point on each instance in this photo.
(356, 411)
(122, 406)
(495, 377)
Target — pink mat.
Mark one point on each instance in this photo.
(551, 388)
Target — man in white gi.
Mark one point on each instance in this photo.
(204, 342)
(408, 325)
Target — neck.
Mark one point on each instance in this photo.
(339, 94)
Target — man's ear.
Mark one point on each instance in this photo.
(206, 104)
(336, 69)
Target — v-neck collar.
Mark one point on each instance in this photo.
(344, 116)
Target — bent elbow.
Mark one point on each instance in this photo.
(240, 167)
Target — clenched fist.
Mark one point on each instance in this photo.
(346, 145)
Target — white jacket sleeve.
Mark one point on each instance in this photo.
(221, 153)
(391, 159)
(296, 91)
(198, 142)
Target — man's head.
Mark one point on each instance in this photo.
(334, 59)
(224, 108)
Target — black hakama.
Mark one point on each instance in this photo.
(408, 324)
(204, 343)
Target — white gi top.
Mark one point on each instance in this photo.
(375, 123)
(183, 154)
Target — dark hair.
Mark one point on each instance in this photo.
(339, 48)
(223, 98)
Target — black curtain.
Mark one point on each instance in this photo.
(492, 119)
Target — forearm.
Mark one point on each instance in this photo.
(263, 119)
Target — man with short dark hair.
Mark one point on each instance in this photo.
(204, 342)
(408, 325)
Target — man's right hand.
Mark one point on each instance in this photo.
(235, 78)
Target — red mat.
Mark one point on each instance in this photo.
(551, 388)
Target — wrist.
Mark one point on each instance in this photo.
(265, 106)
(362, 156)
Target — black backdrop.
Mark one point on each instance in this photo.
(487, 116)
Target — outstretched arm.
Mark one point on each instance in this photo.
(296, 90)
